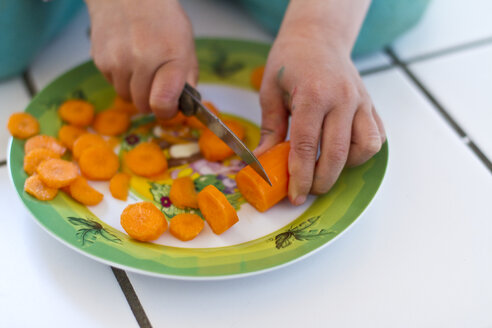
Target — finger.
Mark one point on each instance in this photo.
(166, 88)
(193, 73)
(140, 85)
(335, 145)
(379, 122)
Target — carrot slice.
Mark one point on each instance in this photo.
(255, 190)
(69, 133)
(99, 163)
(183, 193)
(214, 149)
(83, 193)
(120, 104)
(35, 187)
(43, 141)
(193, 122)
(57, 173)
(178, 119)
(257, 77)
(143, 221)
(186, 226)
(35, 157)
(146, 159)
(77, 112)
(118, 185)
(111, 122)
(23, 125)
(86, 141)
(216, 209)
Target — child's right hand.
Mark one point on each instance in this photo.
(145, 49)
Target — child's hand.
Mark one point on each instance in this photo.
(145, 49)
(313, 79)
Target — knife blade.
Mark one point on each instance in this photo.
(190, 104)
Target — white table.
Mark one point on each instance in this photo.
(420, 256)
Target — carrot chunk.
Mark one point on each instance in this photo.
(214, 149)
(57, 173)
(118, 185)
(257, 77)
(183, 193)
(186, 226)
(80, 190)
(36, 188)
(99, 163)
(143, 221)
(69, 133)
(77, 112)
(178, 119)
(216, 209)
(43, 141)
(255, 190)
(146, 159)
(35, 157)
(120, 104)
(193, 122)
(86, 141)
(111, 122)
(23, 125)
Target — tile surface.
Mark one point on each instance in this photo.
(376, 60)
(461, 83)
(416, 258)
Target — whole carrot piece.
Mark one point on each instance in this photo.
(218, 212)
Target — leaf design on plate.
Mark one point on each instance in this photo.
(222, 65)
(90, 230)
(301, 233)
(208, 179)
(283, 239)
(160, 194)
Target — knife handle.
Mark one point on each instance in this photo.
(187, 104)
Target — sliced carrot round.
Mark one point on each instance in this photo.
(36, 157)
(257, 77)
(77, 112)
(146, 159)
(214, 149)
(99, 163)
(86, 141)
(37, 188)
(216, 209)
(57, 173)
(183, 193)
(69, 133)
(118, 186)
(82, 192)
(111, 122)
(23, 125)
(186, 226)
(143, 221)
(124, 106)
(193, 122)
(43, 141)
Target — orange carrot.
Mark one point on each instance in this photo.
(35, 157)
(77, 112)
(146, 159)
(35, 187)
(143, 221)
(23, 125)
(42, 141)
(193, 122)
(111, 122)
(186, 226)
(83, 193)
(255, 190)
(69, 133)
(214, 149)
(124, 106)
(99, 163)
(216, 209)
(178, 119)
(118, 185)
(57, 173)
(257, 77)
(86, 141)
(183, 193)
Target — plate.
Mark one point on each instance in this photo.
(259, 242)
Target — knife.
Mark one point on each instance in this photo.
(190, 104)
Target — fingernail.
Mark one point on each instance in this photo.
(299, 200)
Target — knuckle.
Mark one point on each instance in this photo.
(372, 144)
(305, 146)
(337, 152)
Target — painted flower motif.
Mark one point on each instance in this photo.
(203, 167)
(165, 201)
(132, 139)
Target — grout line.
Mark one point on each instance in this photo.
(29, 83)
(480, 155)
(131, 297)
(374, 70)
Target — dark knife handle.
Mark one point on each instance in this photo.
(187, 104)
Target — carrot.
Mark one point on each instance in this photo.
(216, 209)
(43, 141)
(23, 125)
(146, 159)
(143, 221)
(99, 163)
(127, 107)
(86, 141)
(80, 190)
(35, 157)
(69, 133)
(257, 77)
(118, 185)
(186, 226)
(183, 193)
(35, 187)
(255, 190)
(57, 173)
(193, 122)
(111, 122)
(77, 112)
(214, 149)
(178, 119)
